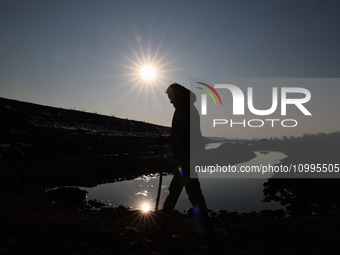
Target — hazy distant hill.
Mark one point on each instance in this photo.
(28, 128)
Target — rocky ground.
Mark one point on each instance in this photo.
(42, 148)
(37, 220)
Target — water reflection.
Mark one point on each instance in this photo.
(238, 194)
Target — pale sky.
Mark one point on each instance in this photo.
(86, 54)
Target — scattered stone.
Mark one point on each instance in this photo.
(96, 204)
(121, 209)
(233, 214)
(251, 214)
(212, 214)
(280, 213)
(68, 195)
(189, 212)
(132, 229)
(267, 213)
(222, 213)
(107, 211)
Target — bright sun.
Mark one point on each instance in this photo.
(145, 208)
(148, 73)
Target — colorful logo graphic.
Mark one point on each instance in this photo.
(209, 93)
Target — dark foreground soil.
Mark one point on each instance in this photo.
(34, 220)
(44, 147)
(32, 223)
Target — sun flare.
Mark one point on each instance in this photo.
(145, 207)
(148, 68)
(148, 72)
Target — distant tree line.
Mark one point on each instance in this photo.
(327, 137)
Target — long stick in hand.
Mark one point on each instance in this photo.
(160, 173)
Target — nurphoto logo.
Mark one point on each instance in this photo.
(301, 97)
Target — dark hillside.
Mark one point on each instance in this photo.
(29, 129)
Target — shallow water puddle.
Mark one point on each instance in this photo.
(237, 194)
